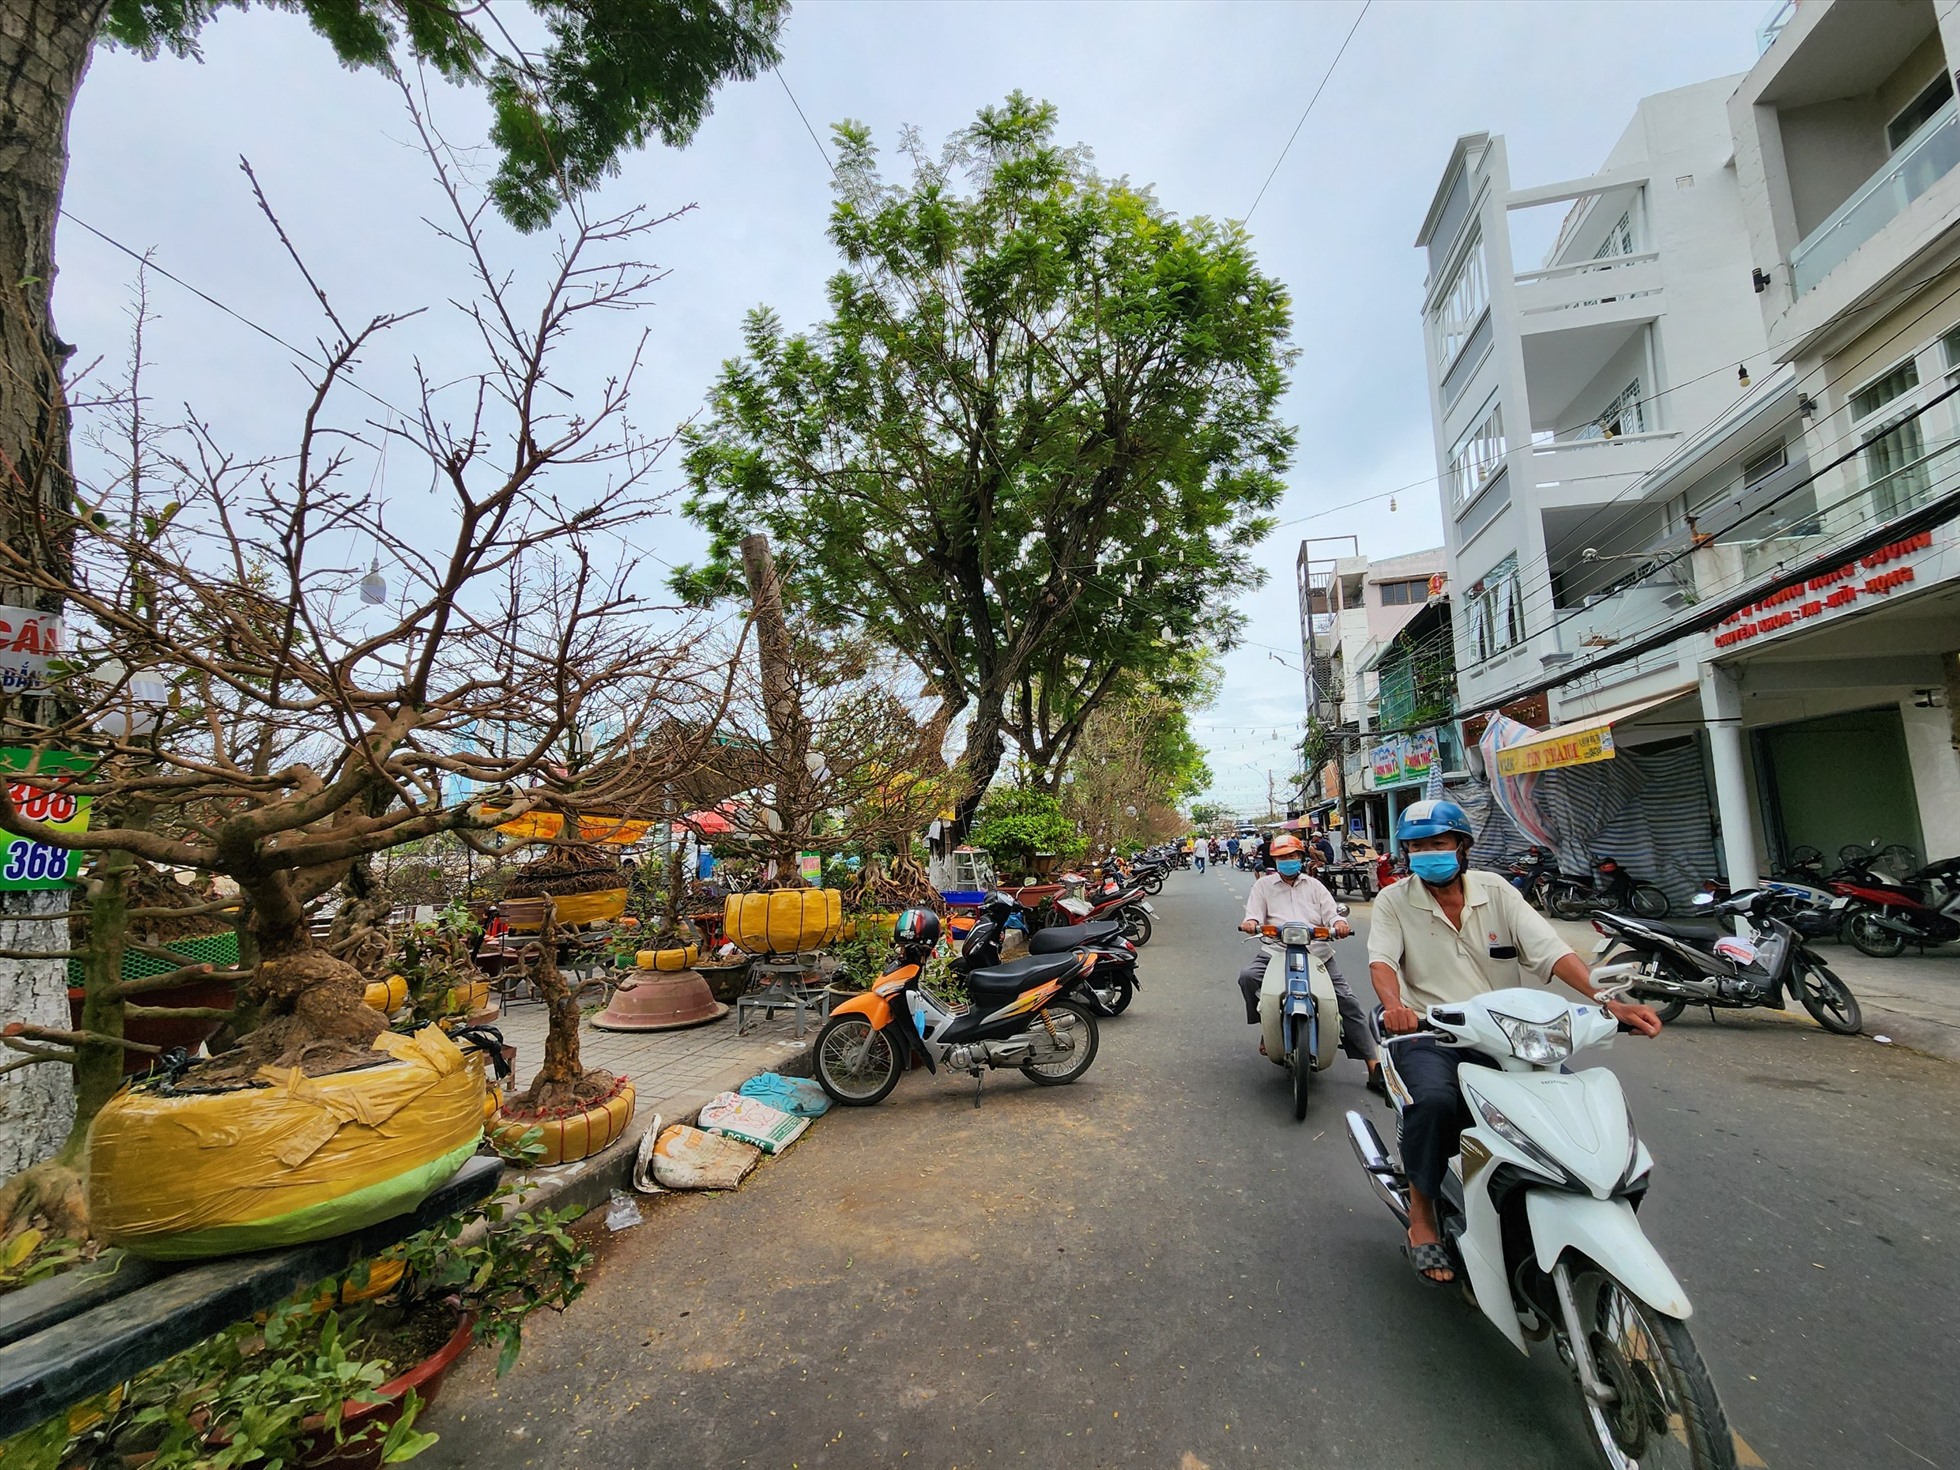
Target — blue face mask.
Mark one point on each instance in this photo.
(1434, 867)
(1288, 867)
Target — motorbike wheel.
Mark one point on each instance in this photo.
(1667, 1007)
(1829, 1000)
(1649, 902)
(1062, 1067)
(1136, 924)
(1116, 995)
(856, 1064)
(1666, 1414)
(1153, 886)
(1301, 1065)
(1566, 901)
(1873, 938)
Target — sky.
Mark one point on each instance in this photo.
(1196, 100)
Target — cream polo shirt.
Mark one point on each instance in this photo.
(1504, 940)
(1303, 901)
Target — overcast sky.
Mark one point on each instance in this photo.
(1195, 100)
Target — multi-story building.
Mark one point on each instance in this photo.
(1352, 608)
(1556, 386)
(1778, 591)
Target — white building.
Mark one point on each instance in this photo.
(1555, 387)
(1780, 585)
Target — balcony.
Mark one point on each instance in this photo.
(1605, 621)
(1586, 471)
(1574, 295)
(1926, 158)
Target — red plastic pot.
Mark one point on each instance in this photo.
(190, 1033)
(364, 1426)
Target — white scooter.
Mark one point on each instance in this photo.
(1299, 1014)
(1538, 1212)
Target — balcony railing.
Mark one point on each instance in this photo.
(1928, 156)
(1593, 463)
(1784, 12)
(1617, 278)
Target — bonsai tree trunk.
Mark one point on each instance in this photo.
(789, 726)
(562, 1084)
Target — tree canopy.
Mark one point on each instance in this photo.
(1035, 436)
(611, 75)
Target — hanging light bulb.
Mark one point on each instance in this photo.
(374, 586)
(1742, 375)
(1391, 503)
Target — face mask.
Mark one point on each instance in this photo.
(1434, 867)
(1288, 867)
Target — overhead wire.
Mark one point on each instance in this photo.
(1325, 77)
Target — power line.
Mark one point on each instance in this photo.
(1303, 116)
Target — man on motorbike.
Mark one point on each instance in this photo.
(1287, 896)
(1445, 934)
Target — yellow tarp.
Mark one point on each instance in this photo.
(544, 826)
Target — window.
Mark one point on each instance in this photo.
(1496, 605)
(1477, 456)
(1619, 239)
(1463, 306)
(1404, 593)
(1894, 453)
(1759, 469)
(1918, 112)
(1626, 414)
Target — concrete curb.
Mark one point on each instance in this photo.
(589, 1183)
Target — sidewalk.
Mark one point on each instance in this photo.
(673, 1074)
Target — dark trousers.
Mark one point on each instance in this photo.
(1357, 1040)
(1433, 1121)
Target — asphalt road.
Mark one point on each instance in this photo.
(1158, 1267)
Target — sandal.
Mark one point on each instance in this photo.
(1434, 1256)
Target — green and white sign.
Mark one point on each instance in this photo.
(25, 863)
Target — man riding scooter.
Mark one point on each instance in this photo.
(1286, 895)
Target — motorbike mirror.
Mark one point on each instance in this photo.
(1702, 899)
(1341, 909)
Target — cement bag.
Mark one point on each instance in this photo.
(770, 1129)
(803, 1096)
(301, 1158)
(687, 1158)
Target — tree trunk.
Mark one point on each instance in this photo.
(44, 50)
(789, 728)
(562, 1083)
(986, 744)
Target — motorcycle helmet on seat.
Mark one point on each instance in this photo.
(917, 926)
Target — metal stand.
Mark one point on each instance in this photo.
(779, 986)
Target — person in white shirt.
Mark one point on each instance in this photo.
(1200, 853)
(1287, 896)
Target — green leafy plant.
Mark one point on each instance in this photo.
(1016, 822)
(30, 1256)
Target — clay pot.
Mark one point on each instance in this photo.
(579, 1136)
(726, 982)
(657, 1001)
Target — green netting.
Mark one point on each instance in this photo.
(219, 950)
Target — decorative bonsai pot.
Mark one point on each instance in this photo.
(571, 1136)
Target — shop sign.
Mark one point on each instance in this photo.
(28, 639)
(24, 863)
(1581, 747)
(1418, 754)
(1388, 761)
(1872, 575)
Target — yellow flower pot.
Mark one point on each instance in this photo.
(569, 1139)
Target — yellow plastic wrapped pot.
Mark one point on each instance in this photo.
(678, 958)
(573, 1137)
(582, 908)
(302, 1158)
(387, 996)
(788, 921)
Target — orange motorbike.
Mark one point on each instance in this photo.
(1023, 1014)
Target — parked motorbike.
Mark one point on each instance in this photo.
(1888, 914)
(1127, 906)
(1535, 875)
(1539, 1213)
(1111, 984)
(1737, 957)
(1613, 888)
(1029, 1015)
(1299, 1015)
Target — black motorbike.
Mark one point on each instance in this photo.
(1610, 887)
(1715, 961)
(1111, 984)
(1534, 876)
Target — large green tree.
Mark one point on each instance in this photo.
(1036, 436)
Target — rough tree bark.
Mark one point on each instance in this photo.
(789, 728)
(45, 47)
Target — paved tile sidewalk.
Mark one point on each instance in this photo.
(661, 1064)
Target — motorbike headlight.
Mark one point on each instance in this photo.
(1296, 934)
(1542, 1043)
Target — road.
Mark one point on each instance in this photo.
(1158, 1267)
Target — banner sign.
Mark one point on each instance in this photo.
(1577, 749)
(28, 639)
(1418, 754)
(1388, 762)
(1825, 593)
(26, 864)
(810, 866)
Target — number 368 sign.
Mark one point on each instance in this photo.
(25, 863)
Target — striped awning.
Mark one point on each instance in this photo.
(1576, 743)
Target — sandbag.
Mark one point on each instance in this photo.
(175, 1177)
(803, 1096)
(770, 1129)
(688, 1158)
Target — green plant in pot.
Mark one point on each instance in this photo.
(343, 1387)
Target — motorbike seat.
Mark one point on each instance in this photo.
(1016, 976)
(1062, 938)
(1690, 928)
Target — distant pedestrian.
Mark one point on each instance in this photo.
(1232, 847)
(1200, 850)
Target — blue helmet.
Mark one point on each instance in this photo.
(1432, 819)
